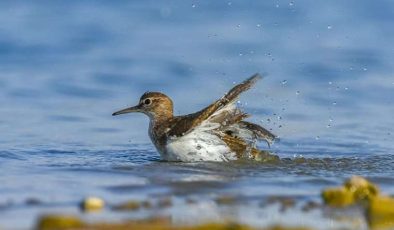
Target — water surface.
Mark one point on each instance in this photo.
(65, 67)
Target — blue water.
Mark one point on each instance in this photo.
(65, 66)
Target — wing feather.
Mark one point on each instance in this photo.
(188, 122)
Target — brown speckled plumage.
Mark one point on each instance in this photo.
(164, 125)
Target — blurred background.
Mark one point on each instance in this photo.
(65, 66)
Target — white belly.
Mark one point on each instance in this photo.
(197, 146)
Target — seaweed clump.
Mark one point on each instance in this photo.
(354, 191)
(67, 222)
(378, 208)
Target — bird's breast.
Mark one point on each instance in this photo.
(157, 139)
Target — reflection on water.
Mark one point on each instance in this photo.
(65, 68)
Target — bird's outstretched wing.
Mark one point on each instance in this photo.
(188, 122)
(228, 98)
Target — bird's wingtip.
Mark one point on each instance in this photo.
(256, 76)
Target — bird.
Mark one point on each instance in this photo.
(217, 133)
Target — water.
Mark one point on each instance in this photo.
(65, 67)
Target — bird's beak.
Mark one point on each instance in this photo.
(133, 109)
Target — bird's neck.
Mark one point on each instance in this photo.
(160, 117)
(161, 113)
(158, 126)
(159, 121)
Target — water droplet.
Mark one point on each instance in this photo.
(346, 88)
(330, 120)
(279, 118)
(280, 126)
(334, 103)
(317, 137)
(240, 54)
(198, 147)
(277, 5)
(291, 3)
(365, 69)
(328, 126)
(268, 120)
(284, 82)
(297, 92)
(229, 3)
(193, 5)
(258, 25)
(239, 25)
(330, 82)
(329, 27)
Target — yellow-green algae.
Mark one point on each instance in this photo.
(338, 197)
(67, 223)
(380, 212)
(355, 190)
(130, 205)
(92, 204)
(59, 222)
(379, 209)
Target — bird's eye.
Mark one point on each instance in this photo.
(147, 101)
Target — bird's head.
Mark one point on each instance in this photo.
(154, 104)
